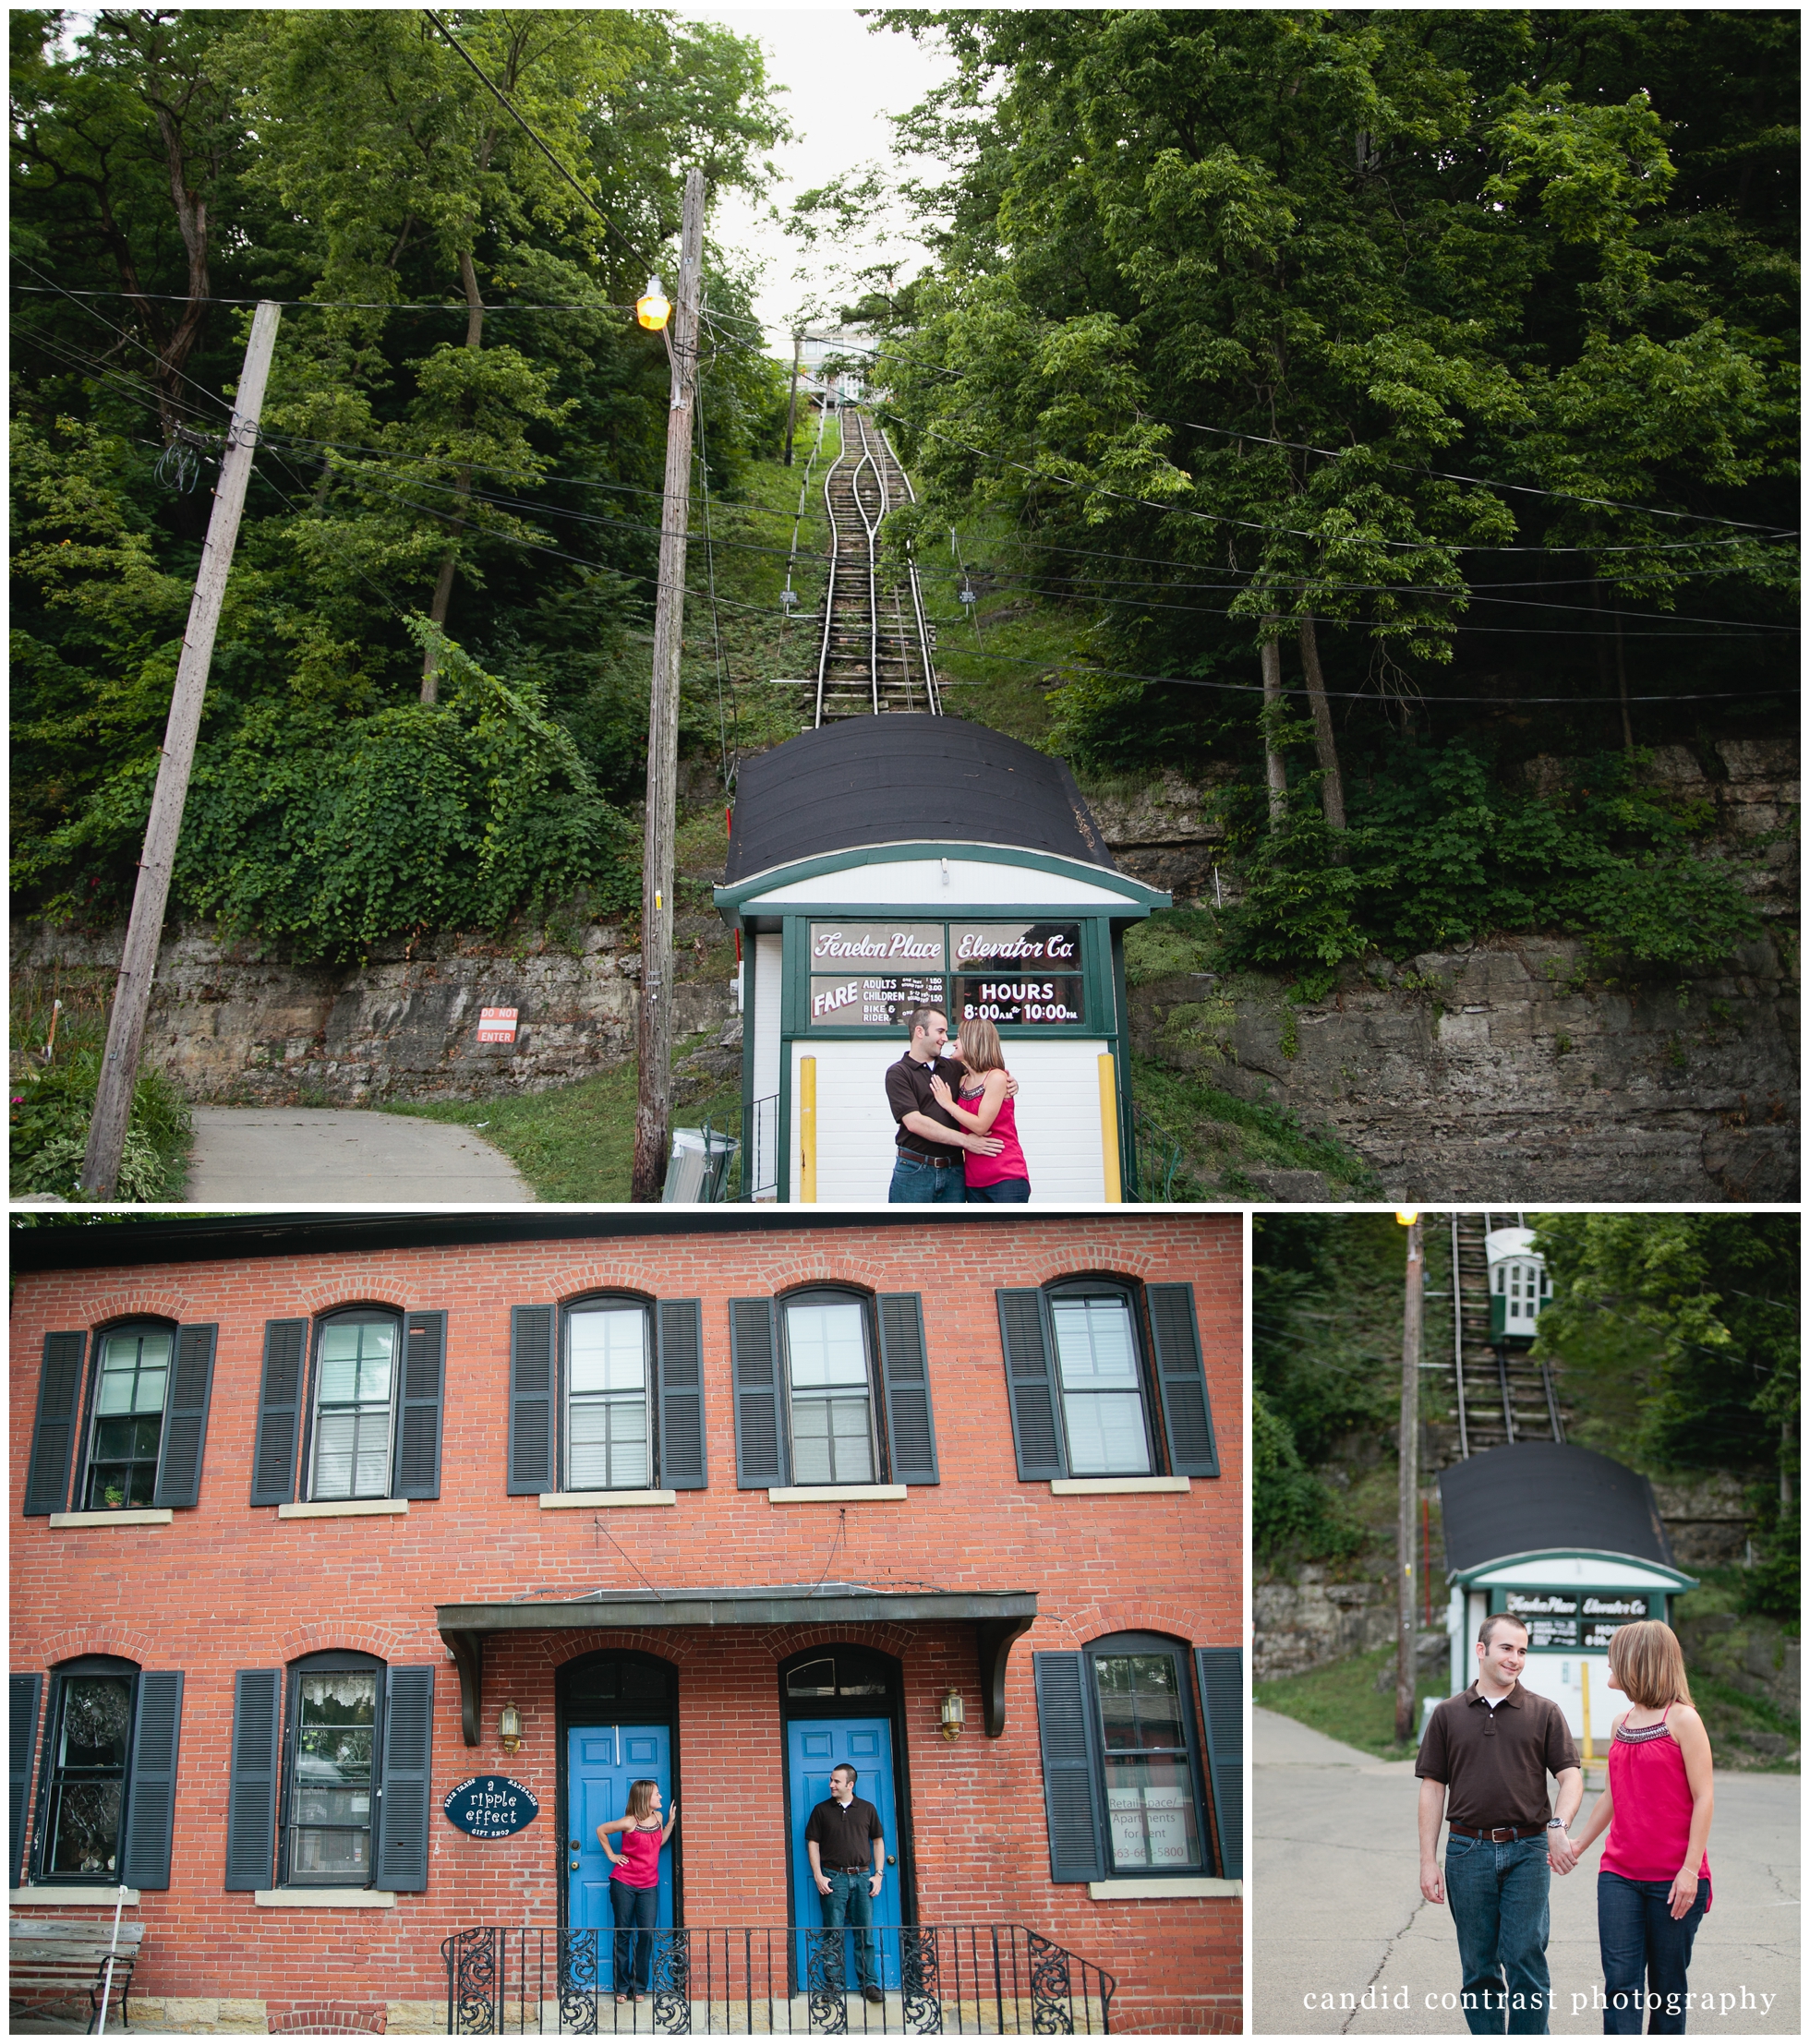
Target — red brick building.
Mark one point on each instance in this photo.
(321, 1515)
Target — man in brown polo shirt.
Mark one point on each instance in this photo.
(1492, 1747)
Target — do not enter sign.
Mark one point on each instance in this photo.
(497, 1024)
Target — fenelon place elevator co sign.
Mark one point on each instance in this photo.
(490, 1806)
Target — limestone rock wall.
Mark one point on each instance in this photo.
(1512, 1073)
(232, 1025)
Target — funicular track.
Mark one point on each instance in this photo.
(876, 654)
(1503, 1396)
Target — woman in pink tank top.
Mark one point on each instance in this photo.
(634, 1885)
(1653, 1883)
(985, 1109)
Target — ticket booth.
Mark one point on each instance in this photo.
(880, 863)
(1570, 1543)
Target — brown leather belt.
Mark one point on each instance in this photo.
(919, 1156)
(1502, 1835)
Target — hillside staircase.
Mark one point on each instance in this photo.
(1503, 1396)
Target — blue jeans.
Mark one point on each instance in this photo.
(1640, 1940)
(1498, 1895)
(635, 1909)
(1008, 1192)
(850, 1902)
(916, 1183)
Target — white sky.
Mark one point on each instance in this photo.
(842, 81)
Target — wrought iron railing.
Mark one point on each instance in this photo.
(994, 1980)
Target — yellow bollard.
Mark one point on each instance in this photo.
(807, 1131)
(1584, 1671)
(1109, 1128)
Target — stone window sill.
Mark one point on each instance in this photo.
(74, 1898)
(151, 1516)
(1160, 1890)
(838, 1494)
(347, 1507)
(1114, 1486)
(597, 1501)
(324, 1898)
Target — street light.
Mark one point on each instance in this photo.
(653, 308)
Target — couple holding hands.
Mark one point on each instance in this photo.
(1483, 1764)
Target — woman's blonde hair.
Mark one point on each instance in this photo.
(1648, 1665)
(641, 1800)
(980, 1048)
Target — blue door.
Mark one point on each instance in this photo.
(601, 1761)
(813, 1746)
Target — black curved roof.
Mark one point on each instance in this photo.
(1540, 1495)
(882, 780)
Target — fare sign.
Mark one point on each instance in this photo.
(497, 1024)
(490, 1806)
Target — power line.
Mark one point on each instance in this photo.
(327, 305)
(496, 90)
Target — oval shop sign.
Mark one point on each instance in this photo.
(490, 1806)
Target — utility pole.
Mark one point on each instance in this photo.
(654, 1025)
(791, 402)
(1408, 1486)
(137, 963)
(1274, 771)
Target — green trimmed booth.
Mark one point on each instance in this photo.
(879, 864)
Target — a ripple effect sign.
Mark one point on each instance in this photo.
(490, 1806)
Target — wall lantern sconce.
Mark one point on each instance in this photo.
(952, 1714)
(509, 1728)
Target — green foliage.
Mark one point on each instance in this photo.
(1439, 855)
(1717, 1296)
(50, 1109)
(1171, 941)
(1292, 1512)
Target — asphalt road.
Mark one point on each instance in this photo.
(1337, 1908)
(308, 1153)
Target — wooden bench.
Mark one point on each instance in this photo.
(56, 1958)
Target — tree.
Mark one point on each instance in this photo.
(1720, 1293)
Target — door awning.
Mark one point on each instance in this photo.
(999, 1617)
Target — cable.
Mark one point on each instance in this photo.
(710, 566)
(459, 49)
(324, 305)
(213, 397)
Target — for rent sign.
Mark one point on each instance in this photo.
(490, 1806)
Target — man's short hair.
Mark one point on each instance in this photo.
(1487, 1631)
(843, 1767)
(919, 1018)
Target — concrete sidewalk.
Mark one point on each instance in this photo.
(1337, 1908)
(308, 1153)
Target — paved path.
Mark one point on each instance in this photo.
(1337, 1905)
(306, 1153)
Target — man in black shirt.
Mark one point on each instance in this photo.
(838, 1837)
(927, 1169)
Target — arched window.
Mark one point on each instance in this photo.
(87, 1756)
(331, 1762)
(356, 1379)
(131, 1393)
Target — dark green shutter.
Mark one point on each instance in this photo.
(532, 1380)
(152, 1812)
(905, 1374)
(1186, 1418)
(1222, 1709)
(251, 1791)
(680, 1333)
(408, 1747)
(53, 1430)
(279, 1413)
(185, 1419)
(417, 1443)
(1071, 1794)
(22, 1694)
(1031, 1386)
(760, 1433)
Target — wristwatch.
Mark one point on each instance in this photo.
(1555, 1823)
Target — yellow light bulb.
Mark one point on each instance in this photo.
(1408, 1215)
(653, 308)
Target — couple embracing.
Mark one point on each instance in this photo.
(1489, 1751)
(953, 1101)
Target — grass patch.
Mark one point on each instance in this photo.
(1344, 1702)
(1223, 1137)
(51, 1101)
(576, 1142)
